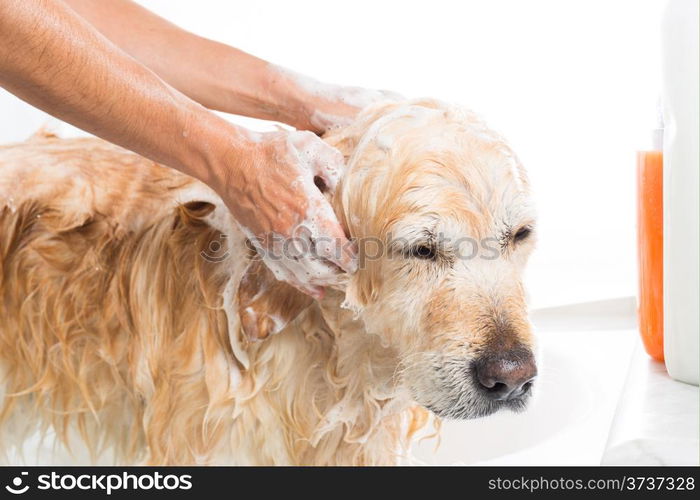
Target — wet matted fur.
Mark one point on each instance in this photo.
(136, 322)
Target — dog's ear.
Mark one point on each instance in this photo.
(265, 304)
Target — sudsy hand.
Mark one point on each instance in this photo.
(323, 106)
(278, 204)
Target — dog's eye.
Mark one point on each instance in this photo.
(521, 234)
(423, 252)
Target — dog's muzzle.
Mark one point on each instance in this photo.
(495, 379)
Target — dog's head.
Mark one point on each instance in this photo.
(439, 206)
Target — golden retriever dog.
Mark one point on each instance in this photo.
(137, 322)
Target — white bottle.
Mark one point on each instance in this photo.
(681, 191)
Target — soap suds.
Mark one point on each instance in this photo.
(230, 303)
(419, 114)
(327, 121)
(302, 257)
(356, 97)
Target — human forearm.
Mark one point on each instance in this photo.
(216, 75)
(53, 59)
(222, 77)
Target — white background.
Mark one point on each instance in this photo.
(572, 84)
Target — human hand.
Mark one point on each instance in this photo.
(337, 106)
(280, 207)
(322, 106)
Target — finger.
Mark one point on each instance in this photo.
(330, 242)
(329, 165)
(313, 283)
(292, 272)
(325, 161)
(332, 245)
(311, 270)
(315, 292)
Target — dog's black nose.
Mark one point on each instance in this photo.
(507, 375)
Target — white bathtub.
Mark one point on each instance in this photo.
(581, 376)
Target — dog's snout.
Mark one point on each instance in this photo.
(505, 376)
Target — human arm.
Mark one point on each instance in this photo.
(56, 61)
(221, 77)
